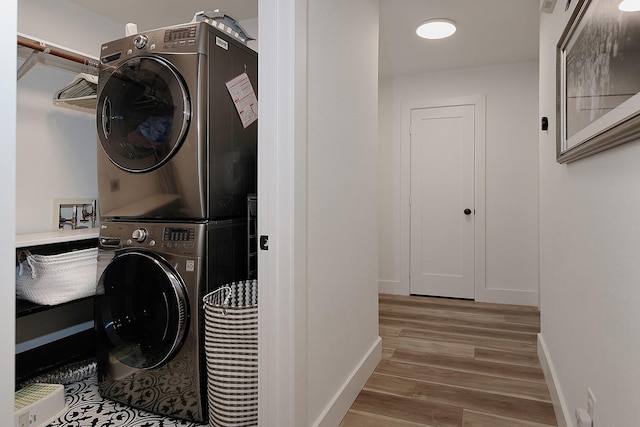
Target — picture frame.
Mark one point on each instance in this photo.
(598, 80)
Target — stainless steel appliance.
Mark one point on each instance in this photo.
(172, 142)
(149, 315)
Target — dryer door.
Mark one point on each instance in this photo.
(142, 316)
(143, 113)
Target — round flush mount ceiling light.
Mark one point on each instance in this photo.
(436, 29)
(629, 6)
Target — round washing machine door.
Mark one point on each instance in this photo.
(143, 311)
(143, 113)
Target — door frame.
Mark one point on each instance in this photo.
(282, 184)
(479, 108)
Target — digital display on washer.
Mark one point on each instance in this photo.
(183, 33)
(172, 234)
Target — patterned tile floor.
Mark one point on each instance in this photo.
(86, 408)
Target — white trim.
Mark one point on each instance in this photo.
(282, 186)
(559, 404)
(508, 296)
(8, 31)
(479, 103)
(344, 398)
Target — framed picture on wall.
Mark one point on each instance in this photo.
(598, 79)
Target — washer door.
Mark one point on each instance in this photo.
(143, 311)
(143, 113)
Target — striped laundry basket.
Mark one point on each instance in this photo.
(231, 347)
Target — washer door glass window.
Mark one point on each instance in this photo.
(143, 113)
(142, 312)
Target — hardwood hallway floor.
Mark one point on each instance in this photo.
(454, 363)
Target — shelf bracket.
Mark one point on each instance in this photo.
(30, 62)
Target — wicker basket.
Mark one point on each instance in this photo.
(231, 346)
(54, 279)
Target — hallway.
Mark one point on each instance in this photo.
(455, 363)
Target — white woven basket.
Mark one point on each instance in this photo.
(231, 347)
(54, 279)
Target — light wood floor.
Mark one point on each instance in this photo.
(454, 363)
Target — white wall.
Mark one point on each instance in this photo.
(342, 199)
(7, 215)
(511, 173)
(56, 147)
(590, 263)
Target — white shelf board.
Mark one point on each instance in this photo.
(61, 236)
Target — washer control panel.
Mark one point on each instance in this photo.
(175, 234)
(179, 237)
(173, 237)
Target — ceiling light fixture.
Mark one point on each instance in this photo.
(436, 29)
(629, 5)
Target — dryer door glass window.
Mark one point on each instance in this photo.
(142, 314)
(143, 113)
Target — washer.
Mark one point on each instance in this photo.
(149, 314)
(172, 142)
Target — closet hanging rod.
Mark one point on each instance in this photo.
(42, 47)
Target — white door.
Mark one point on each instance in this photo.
(442, 202)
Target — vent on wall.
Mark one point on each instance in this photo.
(547, 6)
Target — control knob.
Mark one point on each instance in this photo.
(140, 41)
(139, 235)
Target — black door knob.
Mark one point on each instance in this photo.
(467, 211)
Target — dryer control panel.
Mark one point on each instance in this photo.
(178, 37)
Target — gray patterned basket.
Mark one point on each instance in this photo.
(231, 346)
(54, 279)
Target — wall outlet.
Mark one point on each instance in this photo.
(591, 406)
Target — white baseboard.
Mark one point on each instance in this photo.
(559, 404)
(508, 296)
(389, 287)
(498, 296)
(344, 398)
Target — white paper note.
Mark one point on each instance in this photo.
(244, 98)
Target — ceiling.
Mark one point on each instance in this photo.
(489, 31)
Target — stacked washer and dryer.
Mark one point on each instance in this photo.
(175, 166)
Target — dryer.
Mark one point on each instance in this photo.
(149, 316)
(172, 144)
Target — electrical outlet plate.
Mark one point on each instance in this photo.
(591, 406)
